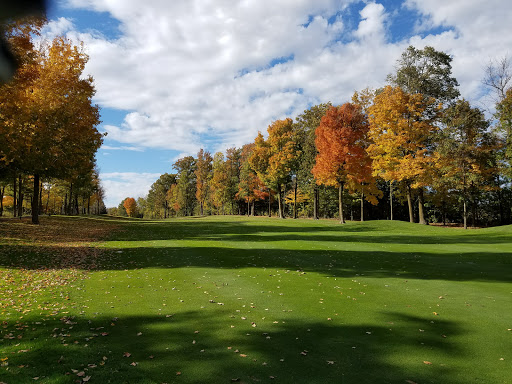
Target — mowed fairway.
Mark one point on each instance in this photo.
(257, 300)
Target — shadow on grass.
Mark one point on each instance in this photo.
(200, 347)
(241, 230)
(477, 266)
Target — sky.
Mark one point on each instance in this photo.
(175, 76)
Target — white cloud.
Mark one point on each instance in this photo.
(122, 148)
(120, 185)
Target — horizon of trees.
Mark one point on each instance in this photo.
(413, 150)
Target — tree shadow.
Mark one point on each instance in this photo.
(362, 232)
(467, 266)
(198, 347)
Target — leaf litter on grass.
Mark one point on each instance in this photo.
(39, 268)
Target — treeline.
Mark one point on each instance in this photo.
(48, 134)
(413, 150)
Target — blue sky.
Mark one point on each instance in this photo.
(173, 77)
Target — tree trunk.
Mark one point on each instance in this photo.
(280, 202)
(444, 212)
(14, 203)
(40, 210)
(201, 208)
(269, 203)
(20, 196)
(391, 199)
(464, 212)
(248, 208)
(47, 200)
(89, 205)
(35, 201)
(315, 202)
(409, 204)
(362, 205)
(421, 205)
(252, 208)
(2, 191)
(70, 200)
(340, 201)
(295, 199)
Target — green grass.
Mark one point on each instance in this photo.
(257, 300)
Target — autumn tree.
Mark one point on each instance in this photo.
(130, 205)
(219, 183)
(49, 121)
(274, 158)
(305, 126)
(250, 187)
(203, 174)
(402, 138)
(341, 151)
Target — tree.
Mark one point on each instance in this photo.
(504, 127)
(465, 149)
(498, 76)
(186, 184)
(233, 164)
(402, 139)
(203, 174)
(341, 150)
(250, 188)
(428, 72)
(219, 184)
(274, 158)
(157, 195)
(305, 125)
(130, 205)
(49, 121)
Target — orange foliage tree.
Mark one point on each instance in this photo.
(131, 206)
(341, 154)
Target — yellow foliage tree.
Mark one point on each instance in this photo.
(401, 137)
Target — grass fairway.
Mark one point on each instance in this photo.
(254, 300)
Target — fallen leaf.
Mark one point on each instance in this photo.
(134, 363)
(427, 362)
(86, 378)
(126, 354)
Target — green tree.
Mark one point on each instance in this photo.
(428, 72)
(203, 172)
(186, 185)
(157, 204)
(466, 150)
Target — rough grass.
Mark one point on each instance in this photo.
(254, 300)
